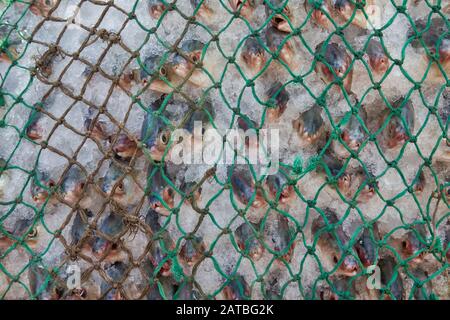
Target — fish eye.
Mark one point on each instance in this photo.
(163, 71)
(361, 242)
(120, 186)
(33, 233)
(165, 137)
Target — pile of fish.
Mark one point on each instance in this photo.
(121, 221)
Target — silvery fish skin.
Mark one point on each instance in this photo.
(202, 114)
(335, 166)
(159, 254)
(96, 128)
(253, 55)
(204, 10)
(366, 246)
(248, 126)
(125, 147)
(186, 291)
(247, 241)
(119, 186)
(331, 244)
(152, 220)
(155, 134)
(353, 132)
(23, 230)
(192, 250)
(272, 286)
(414, 244)
(243, 187)
(279, 21)
(340, 285)
(43, 7)
(364, 182)
(279, 237)
(80, 226)
(279, 98)
(421, 183)
(435, 36)
(72, 185)
(346, 9)
(338, 64)
(279, 186)
(387, 268)
(378, 59)
(11, 51)
(237, 289)
(43, 284)
(4, 177)
(395, 134)
(156, 8)
(425, 290)
(40, 186)
(161, 195)
(116, 273)
(34, 128)
(245, 8)
(112, 226)
(446, 243)
(185, 68)
(318, 16)
(310, 126)
(155, 71)
(286, 51)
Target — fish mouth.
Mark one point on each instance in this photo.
(125, 148)
(321, 19)
(258, 202)
(344, 183)
(205, 12)
(255, 254)
(310, 137)
(159, 208)
(419, 258)
(200, 79)
(379, 65)
(349, 268)
(286, 194)
(279, 22)
(344, 9)
(288, 256)
(192, 260)
(397, 140)
(255, 62)
(245, 8)
(34, 134)
(287, 55)
(40, 197)
(275, 113)
(157, 10)
(72, 197)
(159, 86)
(165, 270)
(156, 153)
